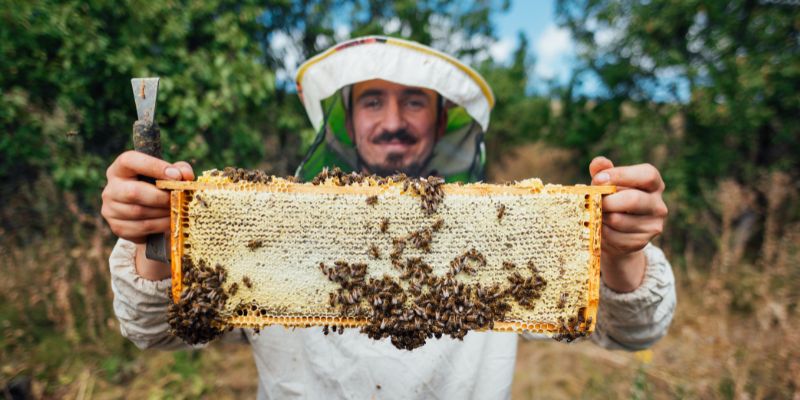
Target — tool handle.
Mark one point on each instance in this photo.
(147, 139)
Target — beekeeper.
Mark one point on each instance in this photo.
(382, 105)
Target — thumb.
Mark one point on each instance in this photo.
(131, 164)
(597, 165)
(186, 170)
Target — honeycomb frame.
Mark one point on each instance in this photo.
(181, 194)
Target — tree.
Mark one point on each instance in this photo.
(707, 89)
(66, 107)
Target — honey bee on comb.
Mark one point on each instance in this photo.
(201, 200)
(247, 282)
(501, 211)
(254, 244)
(562, 300)
(374, 252)
(384, 226)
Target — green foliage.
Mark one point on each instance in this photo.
(66, 108)
(517, 116)
(704, 90)
(67, 101)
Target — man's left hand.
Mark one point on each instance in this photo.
(631, 218)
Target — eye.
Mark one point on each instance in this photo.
(416, 102)
(371, 102)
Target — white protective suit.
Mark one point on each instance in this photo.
(306, 364)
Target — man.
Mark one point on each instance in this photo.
(395, 120)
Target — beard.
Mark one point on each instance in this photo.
(393, 164)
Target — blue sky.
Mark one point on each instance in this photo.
(551, 46)
(554, 50)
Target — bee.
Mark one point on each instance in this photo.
(201, 200)
(562, 300)
(254, 244)
(508, 265)
(532, 267)
(501, 211)
(233, 289)
(384, 225)
(372, 200)
(321, 177)
(437, 225)
(247, 282)
(374, 252)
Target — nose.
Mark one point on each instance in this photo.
(393, 119)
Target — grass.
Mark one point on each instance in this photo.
(732, 336)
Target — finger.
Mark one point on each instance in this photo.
(137, 192)
(641, 176)
(598, 164)
(186, 169)
(131, 164)
(627, 223)
(631, 202)
(133, 212)
(137, 231)
(621, 242)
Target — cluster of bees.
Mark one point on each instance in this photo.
(351, 280)
(195, 317)
(468, 262)
(570, 329)
(418, 305)
(526, 290)
(242, 174)
(341, 178)
(428, 189)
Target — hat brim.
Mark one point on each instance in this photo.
(395, 60)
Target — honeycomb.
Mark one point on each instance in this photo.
(281, 245)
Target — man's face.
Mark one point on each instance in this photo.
(393, 126)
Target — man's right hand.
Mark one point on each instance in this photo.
(134, 208)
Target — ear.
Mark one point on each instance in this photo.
(348, 124)
(442, 123)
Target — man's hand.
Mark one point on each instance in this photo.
(631, 218)
(134, 208)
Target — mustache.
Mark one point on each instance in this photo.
(400, 135)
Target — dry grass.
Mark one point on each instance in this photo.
(734, 334)
(551, 164)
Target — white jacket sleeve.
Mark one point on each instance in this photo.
(141, 304)
(636, 320)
